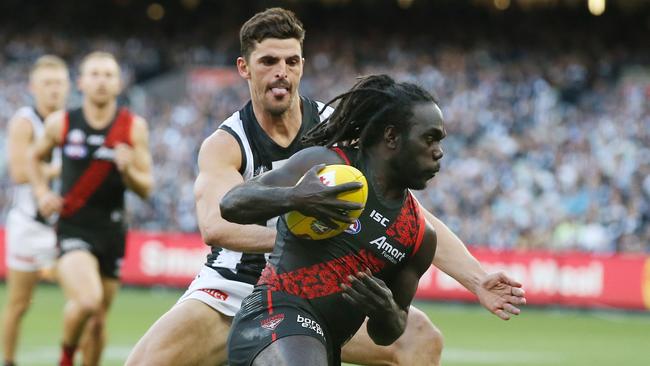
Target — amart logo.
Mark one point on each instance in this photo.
(387, 250)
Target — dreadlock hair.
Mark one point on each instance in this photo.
(363, 112)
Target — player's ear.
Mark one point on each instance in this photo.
(391, 137)
(242, 68)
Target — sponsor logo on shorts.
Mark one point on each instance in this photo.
(22, 258)
(219, 295)
(272, 322)
(306, 322)
(74, 244)
(354, 228)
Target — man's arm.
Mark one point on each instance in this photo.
(387, 306)
(282, 190)
(134, 163)
(48, 201)
(497, 292)
(19, 140)
(219, 161)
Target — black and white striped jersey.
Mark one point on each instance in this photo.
(259, 154)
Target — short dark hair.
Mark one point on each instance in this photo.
(363, 112)
(271, 23)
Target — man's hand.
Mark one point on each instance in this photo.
(386, 319)
(315, 199)
(370, 294)
(123, 156)
(501, 294)
(51, 170)
(49, 203)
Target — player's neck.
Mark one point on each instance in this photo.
(384, 184)
(281, 128)
(99, 116)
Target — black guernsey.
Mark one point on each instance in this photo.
(91, 186)
(383, 240)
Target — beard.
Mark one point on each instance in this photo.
(406, 170)
(276, 108)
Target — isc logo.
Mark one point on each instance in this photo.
(379, 218)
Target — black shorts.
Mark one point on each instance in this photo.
(266, 316)
(107, 244)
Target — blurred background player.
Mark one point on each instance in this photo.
(31, 242)
(104, 152)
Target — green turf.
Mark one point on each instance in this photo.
(472, 336)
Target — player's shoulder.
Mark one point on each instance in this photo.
(25, 112)
(138, 122)
(221, 145)
(22, 119)
(234, 121)
(219, 150)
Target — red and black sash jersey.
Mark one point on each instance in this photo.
(382, 240)
(91, 186)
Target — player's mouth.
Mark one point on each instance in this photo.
(280, 89)
(430, 173)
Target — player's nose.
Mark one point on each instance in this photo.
(281, 70)
(438, 153)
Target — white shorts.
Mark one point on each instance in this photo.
(221, 294)
(30, 245)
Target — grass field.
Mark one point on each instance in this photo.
(472, 336)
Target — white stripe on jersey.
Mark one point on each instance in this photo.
(227, 259)
(326, 113)
(235, 123)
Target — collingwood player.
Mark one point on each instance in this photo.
(30, 242)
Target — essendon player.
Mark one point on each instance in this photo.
(312, 297)
(104, 151)
(31, 243)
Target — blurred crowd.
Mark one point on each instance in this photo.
(546, 148)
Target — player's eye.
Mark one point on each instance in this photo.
(267, 61)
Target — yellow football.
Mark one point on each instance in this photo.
(311, 228)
